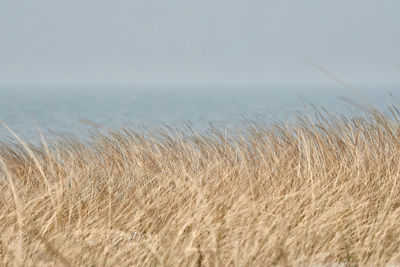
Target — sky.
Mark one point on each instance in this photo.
(198, 43)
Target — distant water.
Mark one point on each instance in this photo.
(68, 111)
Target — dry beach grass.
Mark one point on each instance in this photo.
(310, 192)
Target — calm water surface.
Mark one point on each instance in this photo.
(64, 111)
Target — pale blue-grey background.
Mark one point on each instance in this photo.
(188, 42)
(154, 61)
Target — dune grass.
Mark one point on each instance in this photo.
(316, 191)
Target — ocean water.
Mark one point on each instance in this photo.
(63, 111)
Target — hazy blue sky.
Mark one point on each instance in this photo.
(207, 42)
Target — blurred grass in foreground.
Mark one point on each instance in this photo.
(321, 190)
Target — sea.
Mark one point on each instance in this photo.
(79, 112)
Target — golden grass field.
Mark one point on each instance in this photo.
(321, 190)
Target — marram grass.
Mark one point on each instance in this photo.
(320, 191)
